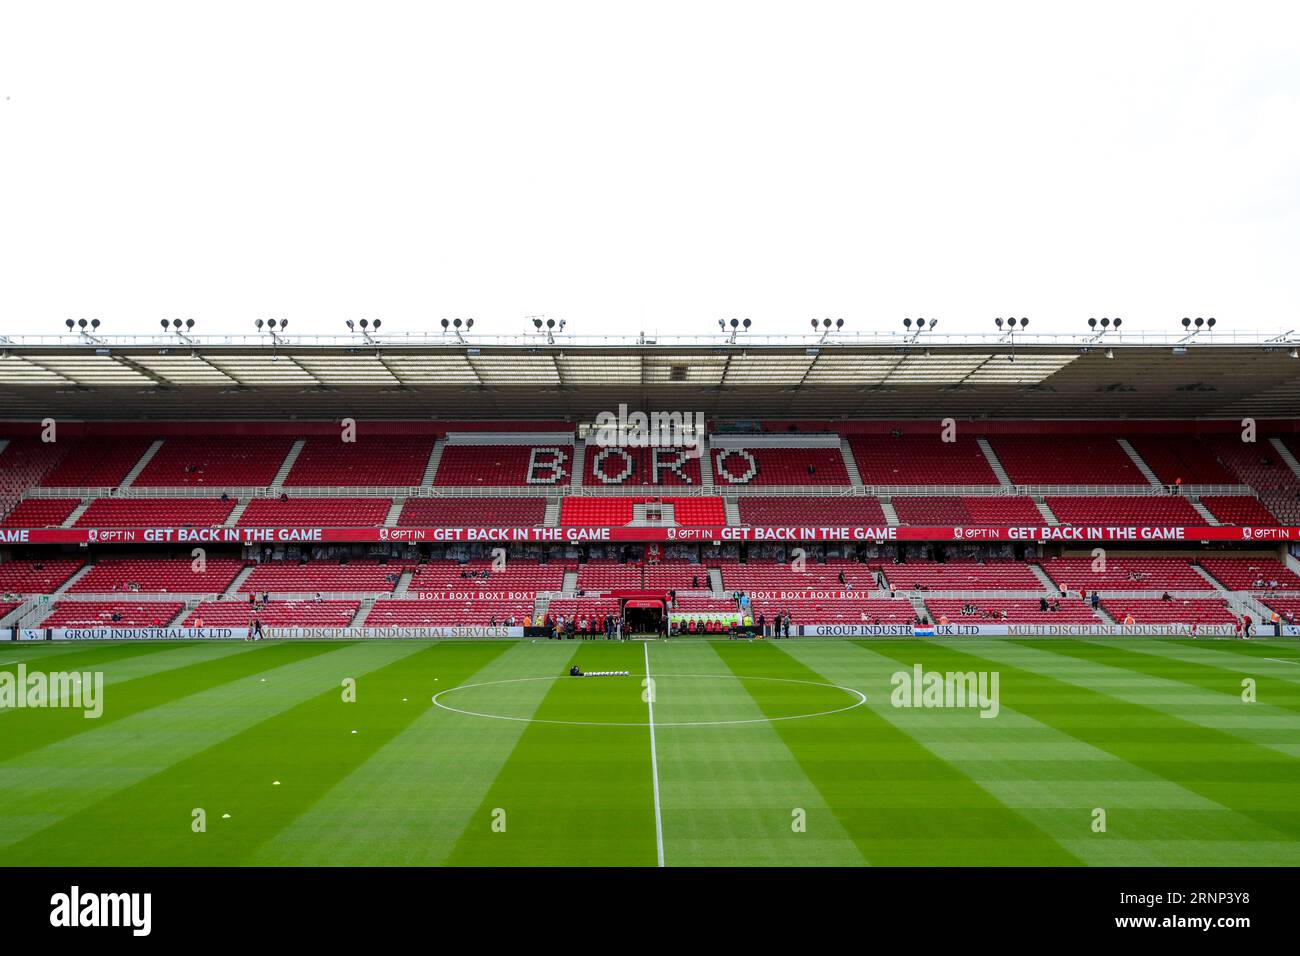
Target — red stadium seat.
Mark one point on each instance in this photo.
(991, 511)
(306, 613)
(845, 608)
(100, 614)
(40, 513)
(475, 512)
(916, 460)
(1245, 510)
(601, 511)
(1172, 457)
(756, 467)
(1065, 460)
(215, 461)
(40, 576)
(854, 511)
(1009, 611)
(94, 463)
(1138, 510)
(1177, 611)
(378, 460)
(962, 575)
(1252, 574)
(499, 466)
(291, 577)
(154, 575)
(156, 513)
(450, 612)
(1125, 574)
(316, 512)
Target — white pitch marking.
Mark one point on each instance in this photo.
(1281, 661)
(654, 758)
(860, 699)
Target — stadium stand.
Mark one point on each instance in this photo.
(292, 577)
(1065, 460)
(1131, 510)
(994, 510)
(1252, 574)
(962, 576)
(274, 614)
(598, 511)
(583, 607)
(677, 575)
(8, 607)
(760, 466)
(113, 614)
(1175, 457)
(619, 511)
(504, 466)
(44, 576)
(1260, 466)
(24, 463)
(1243, 510)
(629, 466)
(770, 575)
(705, 605)
(382, 460)
(156, 575)
(1287, 607)
(316, 512)
(1125, 574)
(215, 461)
(698, 512)
(806, 509)
(1009, 611)
(448, 613)
(40, 513)
(916, 460)
(156, 513)
(518, 575)
(608, 576)
(605, 575)
(525, 512)
(92, 463)
(1176, 611)
(844, 608)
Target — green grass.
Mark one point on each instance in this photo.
(543, 769)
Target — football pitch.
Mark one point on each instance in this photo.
(734, 753)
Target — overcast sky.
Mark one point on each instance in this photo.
(649, 166)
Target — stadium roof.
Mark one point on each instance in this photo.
(539, 376)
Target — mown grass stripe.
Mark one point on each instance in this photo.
(1055, 780)
(900, 804)
(42, 787)
(573, 795)
(1218, 679)
(424, 786)
(1207, 654)
(730, 791)
(30, 728)
(1257, 783)
(237, 775)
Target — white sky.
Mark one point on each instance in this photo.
(649, 166)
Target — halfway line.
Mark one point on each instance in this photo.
(654, 758)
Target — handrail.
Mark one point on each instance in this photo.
(718, 489)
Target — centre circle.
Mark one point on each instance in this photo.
(633, 684)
